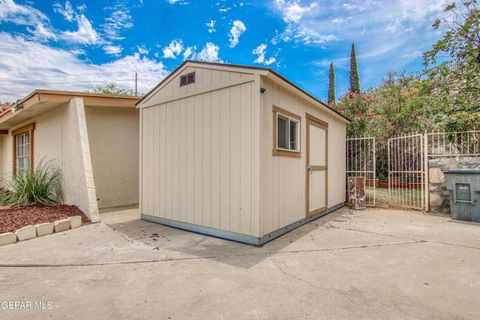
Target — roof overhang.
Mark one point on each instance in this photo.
(41, 101)
(290, 86)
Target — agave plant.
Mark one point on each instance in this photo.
(42, 186)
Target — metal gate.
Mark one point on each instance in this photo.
(361, 165)
(406, 171)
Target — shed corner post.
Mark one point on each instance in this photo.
(140, 157)
(258, 104)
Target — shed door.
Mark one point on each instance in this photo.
(317, 147)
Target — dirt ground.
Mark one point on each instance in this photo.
(371, 264)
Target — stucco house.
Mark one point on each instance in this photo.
(92, 138)
(238, 152)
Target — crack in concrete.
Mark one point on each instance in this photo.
(351, 297)
(211, 257)
(408, 238)
(295, 277)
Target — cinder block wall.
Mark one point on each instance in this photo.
(438, 194)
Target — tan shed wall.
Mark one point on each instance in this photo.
(113, 135)
(204, 78)
(200, 157)
(283, 189)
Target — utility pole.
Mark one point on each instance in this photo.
(136, 86)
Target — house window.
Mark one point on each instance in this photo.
(23, 149)
(186, 79)
(286, 133)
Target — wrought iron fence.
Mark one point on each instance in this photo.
(405, 159)
(361, 164)
(453, 144)
(406, 171)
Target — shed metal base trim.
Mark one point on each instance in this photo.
(234, 236)
(279, 232)
(228, 235)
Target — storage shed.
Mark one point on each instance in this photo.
(238, 152)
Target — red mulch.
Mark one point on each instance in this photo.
(12, 219)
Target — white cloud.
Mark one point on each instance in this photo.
(85, 34)
(173, 49)
(211, 26)
(414, 54)
(67, 11)
(20, 14)
(112, 49)
(181, 2)
(143, 50)
(238, 28)
(176, 48)
(189, 51)
(119, 20)
(341, 20)
(29, 65)
(359, 5)
(316, 23)
(82, 7)
(382, 31)
(37, 22)
(208, 53)
(294, 14)
(293, 11)
(260, 52)
(40, 32)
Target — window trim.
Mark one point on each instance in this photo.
(30, 129)
(281, 152)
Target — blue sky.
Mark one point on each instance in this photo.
(76, 45)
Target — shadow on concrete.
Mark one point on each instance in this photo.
(181, 244)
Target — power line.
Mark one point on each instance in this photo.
(68, 75)
(85, 82)
(77, 82)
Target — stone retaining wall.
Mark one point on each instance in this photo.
(439, 195)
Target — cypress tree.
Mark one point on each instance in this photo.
(331, 86)
(354, 77)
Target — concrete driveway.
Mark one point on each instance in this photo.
(373, 264)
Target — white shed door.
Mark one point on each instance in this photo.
(317, 165)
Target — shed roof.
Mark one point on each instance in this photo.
(256, 69)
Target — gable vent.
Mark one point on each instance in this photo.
(186, 79)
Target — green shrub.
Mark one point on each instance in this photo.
(42, 186)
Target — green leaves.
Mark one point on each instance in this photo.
(461, 36)
(113, 89)
(354, 76)
(331, 86)
(42, 186)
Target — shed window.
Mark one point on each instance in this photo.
(186, 79)
(23, 149)
(287, 133)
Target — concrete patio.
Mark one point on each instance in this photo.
(373, 264)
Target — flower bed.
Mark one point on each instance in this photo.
(12, 219)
